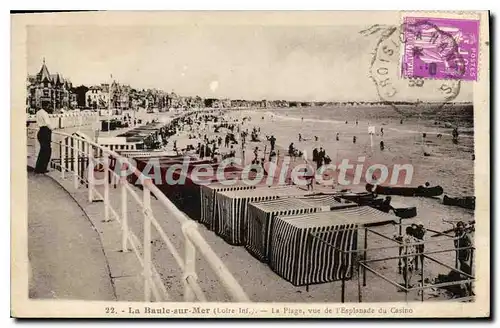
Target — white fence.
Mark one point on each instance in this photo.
(77, 153)
(68, 120)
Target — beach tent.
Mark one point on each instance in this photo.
(261, 214)
(232, 209)
(305, 249)
(208, 203)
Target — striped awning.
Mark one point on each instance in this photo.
(360, 215)
(327, 201)
(261, 191)
(282, 204)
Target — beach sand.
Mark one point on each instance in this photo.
(447, 168)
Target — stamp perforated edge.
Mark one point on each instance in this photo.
(471, 15)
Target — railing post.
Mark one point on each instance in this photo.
(63, 157)
(124, 210)
(189, 261)
(106, 188)
(76, 154)
(90, 171)
(147, 241)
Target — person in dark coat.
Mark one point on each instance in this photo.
(44, 137)
(315, 155)
(202, 151)
(272, 140)
(321, 157)
(291, 150)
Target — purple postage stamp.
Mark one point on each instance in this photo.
(440, 48)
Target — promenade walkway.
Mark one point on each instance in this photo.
(65, 251)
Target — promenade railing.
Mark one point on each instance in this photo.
(79, 157)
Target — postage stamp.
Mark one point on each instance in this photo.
(412, 95)
(440, 48)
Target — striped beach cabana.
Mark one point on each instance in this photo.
(305, 249)
(232, 209)
(208, 199)
(260, 215)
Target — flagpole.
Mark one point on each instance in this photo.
(109, 104)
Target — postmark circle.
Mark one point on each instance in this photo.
(409, 96)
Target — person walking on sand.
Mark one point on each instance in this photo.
(300, 137)
(354, 139)
(408, 249)
(309, 176)
(315, 155)
(44, 137)
(463, 253)
(455, 135)
(272, 140)
(337, 136)
(381, 132)
(419, 233)
(321, 156)
(356, 122)
(291, 150)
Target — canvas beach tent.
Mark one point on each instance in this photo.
(317, 247)
(232, 209)
(261, 214)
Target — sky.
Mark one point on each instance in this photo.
(312, 63)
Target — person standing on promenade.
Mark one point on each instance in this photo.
(44, 137)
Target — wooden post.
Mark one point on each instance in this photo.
(400, 248)
(422, 276)
(343, 269)
(406, 277)
(360, 292)
(364, 255)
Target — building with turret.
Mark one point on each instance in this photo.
(52, 92)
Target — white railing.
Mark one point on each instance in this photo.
(87, 152)
(70, 119)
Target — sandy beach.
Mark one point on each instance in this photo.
(455, 174)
